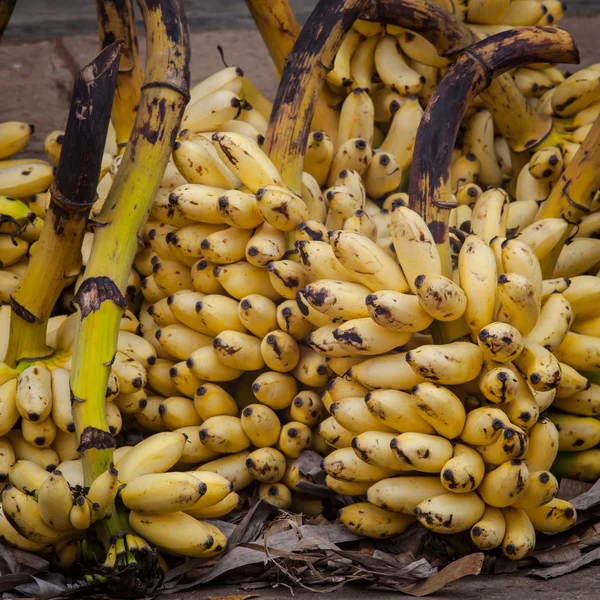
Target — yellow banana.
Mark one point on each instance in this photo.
(542, 488)
(464, 471)
(103, 492)
(489, 531)
(319, 156)
(512, 443)
(553, 517)
(505, 485)
(483, 426)
(369, 520)
(447, 364)
(450, 513)
(422, 452)
(442, 409)
(393, 69)
(294, 438)
(390, 371)
(260, 425)
(345, 465)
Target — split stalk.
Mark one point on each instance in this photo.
(430, 191)
(57, 261)
(116, 21)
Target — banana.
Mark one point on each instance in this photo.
(479, 141)
(553, 517)
(347, 488)
(130, 373)
(280, 351)
(238, 351)
(9, 413)
(440, 408)
(440, 297)
(260, 425)
(266, 465)
(519, 537)
(267, 244)
(483, 426)
(450, 513)
(340, 300)
(518, 257)
(238, 209)
(447, 364)
(55, 501)
(402, 494)
(543, 235)
(312, 369)
(464, 171)
(373, 447)
(362, 223)
(14, 136)
(195, 450)
(178, 533)
(577, 92)
(578, 256)
(224, 434)
(579, 351)
(368, 263)
(396, 410)
(212, 400)
(341, 74)
(257, 313)
(34, 393)
(22, 178)
(229, 78)
(547, 163)
(313, 198)
(542, 488)
(24, 512)
(246, 160)
(275, 390)
(103, 492)
(27, 476)
(219, 313)
(66, 445)
(539, 366)
(362, 63)
(477, 271)
(319, 156)
(180, 341)
(585, 402)
(184, 381)
(7, 459)
(397, 311)
(393, 69)
(160, 493)
(464, 471)
(487, 12)
(520, 301)
(39, 433)
(365, 337)
(155, 454)
(345, 465)
(177, 412)
(575, 433)
(241, 279)
(389, 371)
(489, 531)
(500, 342)
(334, 434)
(556, 317)
(422, 452)
(253, 117)
(357, 116)
(14, 537)
(211, 111)
(352, 414)
(371, 521)
(512, 443)
(521, 214)
(137, 348)
(294, 438)
(505, 485)
(582, 292)
(277, 494)
(572, 382)
(292, 320)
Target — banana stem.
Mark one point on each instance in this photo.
(277, 26)
(430, 193)
(100, 299)
(301, 83)
(72, 194)
(6, 9)
(572, 195)
(116, 21)
(447, 33)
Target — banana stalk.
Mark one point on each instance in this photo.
(447, 33)
(278, 27)
(430, 191)
(116, 21)
(6, 9)
(572, 195)
(301, 83)
(72, 195)
(100, 299)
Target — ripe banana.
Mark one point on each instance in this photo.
(369, 520)
(450, 513)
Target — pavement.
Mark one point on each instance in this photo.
(46, 43)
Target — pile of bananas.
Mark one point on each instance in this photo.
(260, 322)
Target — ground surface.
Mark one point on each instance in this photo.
(45, 44)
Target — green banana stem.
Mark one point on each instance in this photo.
(116, 21)
(72, 194)
(572, 195)
(301, 83)
(430, 192)
(6, 9)
(100, 299)
(277, 26)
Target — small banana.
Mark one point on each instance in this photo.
(369, 520)
(553, 517)
(489, 531)
(450, 513)
(447, 364)
(422, 452)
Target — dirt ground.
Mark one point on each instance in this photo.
(37, 78)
